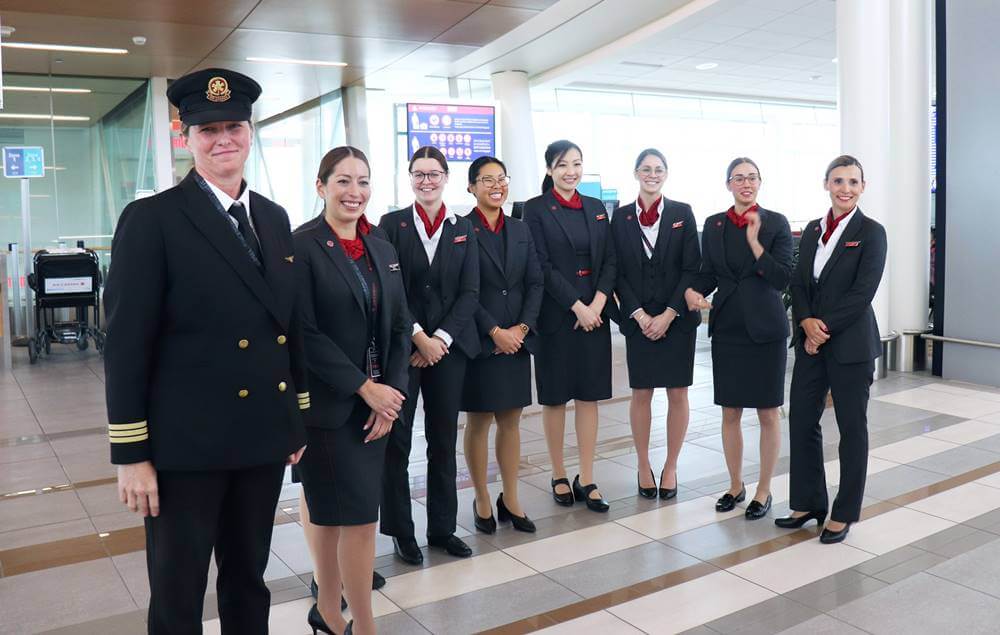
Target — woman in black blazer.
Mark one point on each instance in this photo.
(439, 261)
(841, 260)
(656, 243)
(573, 358)
(746, 259)
(357, 335)
(498, 381)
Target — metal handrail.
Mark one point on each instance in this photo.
(959, 340)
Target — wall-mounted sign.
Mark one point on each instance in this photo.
(462, 133)
(23, 162)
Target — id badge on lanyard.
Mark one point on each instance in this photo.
(374, 367)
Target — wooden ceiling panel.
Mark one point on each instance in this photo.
(364, 52)
(414, 20)
(485, 25)
(227, 13)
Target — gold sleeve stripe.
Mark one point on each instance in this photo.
(127, 426)
(303, 405)
(127, 433)
(141, 437)
(303, 395)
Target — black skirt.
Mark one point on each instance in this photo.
(746, 374)
(497, 382)
(664, 363)
(341, 474)
(573, 364)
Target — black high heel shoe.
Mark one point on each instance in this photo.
(314, 590)
(829, 537)
(647, 492)
(485, 525)
(582, 493)
(794, 522)
(520, 523)
(727, 502)
(566, 500)
(666, 493)
(318, 624)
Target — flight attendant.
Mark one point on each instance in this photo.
(841, 261)
(746, 259)
(498, 381)
(357, 332)
(656, 243)
(576, 252)
(439, 261)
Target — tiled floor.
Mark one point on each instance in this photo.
(925, 559)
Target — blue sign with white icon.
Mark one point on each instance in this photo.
(24, 162)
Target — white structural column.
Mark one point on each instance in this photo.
(517, 133)
(863, 101)
(356, 116)
(163, 154)
(909, 241)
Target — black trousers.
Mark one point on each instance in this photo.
(231, 511)
(441, 387)
(812, 376)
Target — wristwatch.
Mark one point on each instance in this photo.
(524, 328)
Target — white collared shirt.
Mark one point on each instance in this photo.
(823, 252)
(430, 245)
(227, 202)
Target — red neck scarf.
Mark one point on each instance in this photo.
(648, 217)
(486, 223)
(353, 247)
(831, 224)
(428, 225)
(740, 220)
(364, 227)
(575, 202)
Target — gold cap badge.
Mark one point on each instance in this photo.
(218, 90)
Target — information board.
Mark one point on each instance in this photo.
(23, 162)
(462, 133)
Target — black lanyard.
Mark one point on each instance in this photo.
(646, 240)
(372, 363)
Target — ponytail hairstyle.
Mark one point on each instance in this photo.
(650, 152)
(330, 160)
(553, 154)
(843, 161)
(430, 152)
(737, 161)
(478, 165)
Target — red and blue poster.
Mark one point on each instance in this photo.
(462, 133)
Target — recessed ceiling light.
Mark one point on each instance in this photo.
(12, 115)
(706, 66)
(6, 30)
(64, 47)
(287, 60)
(44, 89)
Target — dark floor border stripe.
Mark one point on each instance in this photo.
(30, 439)
(674, 578)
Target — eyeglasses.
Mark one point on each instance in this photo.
(431, 177)
(490, 181)
(647, 171)
(739, 179)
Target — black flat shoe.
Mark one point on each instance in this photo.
(318, 624)
(830, 537)
(452, 544)
(407, 550)
(666, 493)
(377, 581)
(582, 493)
(728, 501)
(794, 522)
(485, 525)
(566, 500)
(314, 590)
(647, 492)
(757, 510)
(520, 523)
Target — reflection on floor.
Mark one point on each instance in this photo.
(925, 559)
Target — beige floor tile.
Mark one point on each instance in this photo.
(993, 480)
(455, 578)
(799, 565)
(779, 490)
(673, 519)
(289, 618)
(690, 604)
(967, 391)
(875, 465)
(894, 529)
(912, 449)
(961, 503)
(957, 405)
(600, 622)
(965, 432)
(576, 546)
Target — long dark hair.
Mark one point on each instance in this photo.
(650, 152)
(330, 160)
(479, 164)
(843, 161)
(429, 152)
(556, 151)
(739, 160)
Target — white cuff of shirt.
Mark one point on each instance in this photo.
(417, 328)
(635, 313)
(443, 335)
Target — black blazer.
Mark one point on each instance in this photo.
(757, 286)
(510, 284)
(335, 324)
(204, 352)
(557, 259)
(677, 258)
(842, 297)
(320, 219)
(451, 296)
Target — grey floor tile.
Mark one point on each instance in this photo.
(398, 624)
(101, 499)
(908, 568)
(493, 607)
(978, 569)
(724, 537)
(957, 461)
(955, 541)
(620, 569)
(811, 592)
(45, 533)
(899, 480)
(989, 443)
(25, 452)
(765, 618)
(129, 623)
(34, 474)
(823, 625)
(904, 607)
(987, 522)
(889, 560)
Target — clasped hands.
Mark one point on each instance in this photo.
(655, 327)
(817, 334)
(508, 341)
(385, 402)
(429, 350)
(588, 316)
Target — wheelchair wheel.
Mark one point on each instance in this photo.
(47, 343)
(32, 351)
(81, 344)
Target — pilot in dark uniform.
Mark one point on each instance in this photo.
(204, 366)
